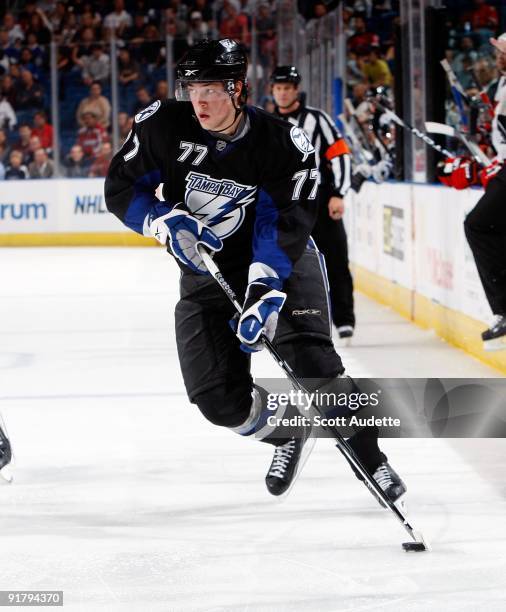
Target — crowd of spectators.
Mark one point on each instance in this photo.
(82, 31)
(470, 25)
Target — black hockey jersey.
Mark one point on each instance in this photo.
(331, 151)
(258, 193)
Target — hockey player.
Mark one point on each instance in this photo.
(333, 160)
(485, 225)
(243, 184)
(5, 453)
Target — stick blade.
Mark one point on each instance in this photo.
(439, 128)
(418, 545)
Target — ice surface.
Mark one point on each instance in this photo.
(126, 498)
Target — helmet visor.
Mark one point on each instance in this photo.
(194, 91)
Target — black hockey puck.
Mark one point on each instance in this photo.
(414, 546)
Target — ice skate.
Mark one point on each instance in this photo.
(494, 338)
(345, 333)
(391, 483)
(5, 455)
(287, 463)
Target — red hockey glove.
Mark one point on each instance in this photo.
(458, 172)
(489, 172)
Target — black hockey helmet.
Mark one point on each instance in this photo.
(213, 60)
(286, 74)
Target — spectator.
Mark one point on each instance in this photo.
(161, 90)
(82, 47)
(463, 59)
(118, 20)
(128, 68)
(266, 27)
(29, 94)
(58, 16)
(26, 63)
(125, 125)
(76, 166)
(16, 169)
(485, 72)
(234, 25)
(26, 14)
(7, 115)
(32, 147)
(180, 46)
(90, 19)
(38, 28)
(69, 33)
(14, 30)
(151, 46)
(36, 50)
(41, 167)
(96, 67)
(199, 29)
(143, 99)
(4, 147)
(101, 164)
(23, 143)
(134, 34)
(362, 39)
(9, 50)
(482, 17)
(179, 10)
(96, 103)
(8, 90)
(91, 136)
(205, 9)
(43, 130)
(375, 69)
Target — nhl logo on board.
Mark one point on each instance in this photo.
(301, 140)
(220, 145)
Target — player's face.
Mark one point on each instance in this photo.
(212, 105)
(285, 94)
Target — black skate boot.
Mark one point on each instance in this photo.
(5, 454)
(345, 331)
(288, 461)
(494, 338)
(390, 482)
(365, 446)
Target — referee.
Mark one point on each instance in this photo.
(333, 159)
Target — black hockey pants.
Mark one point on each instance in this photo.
(485, 228)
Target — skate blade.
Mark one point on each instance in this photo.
(497, 344)
(306, 451)
(6, 476)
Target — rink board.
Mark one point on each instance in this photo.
(407, 245)
(409, 251)
(60, 212)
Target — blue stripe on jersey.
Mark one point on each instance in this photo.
(266, 249)
(143, 200)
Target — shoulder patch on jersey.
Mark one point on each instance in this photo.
(148, 111)
(301, 140)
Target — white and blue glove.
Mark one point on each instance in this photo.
(259, 316)
(182, 233)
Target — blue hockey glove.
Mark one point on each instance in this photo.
(182, 233)
(259, 316)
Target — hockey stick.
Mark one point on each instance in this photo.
(352, 111)
(418, 543)
(448, 130)
(427, 139)
(458, 92)
(363, 154)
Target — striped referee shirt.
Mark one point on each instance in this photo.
(332, 152)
